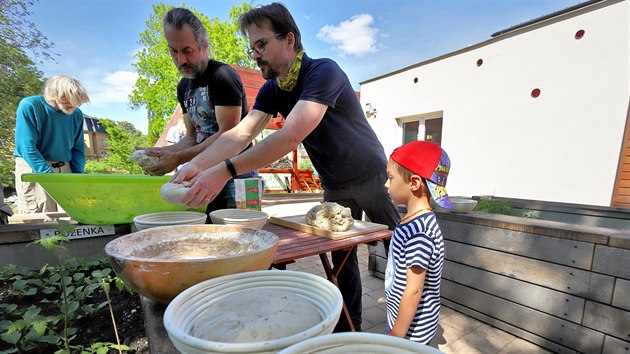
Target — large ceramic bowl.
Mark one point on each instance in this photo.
(161, 262)
(206, 300)
(100, 199)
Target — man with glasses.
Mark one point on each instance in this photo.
(48, 139)
(323, 112)
(210, 93)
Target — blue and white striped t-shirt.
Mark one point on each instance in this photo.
(417, 242)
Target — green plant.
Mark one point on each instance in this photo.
(502, 207)
(31, 315)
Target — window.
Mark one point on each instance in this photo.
(422, 129)
(410, 131)
(433, 130)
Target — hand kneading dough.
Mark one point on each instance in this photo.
(255, 315)
(173, 192)
(330, 216)
(143, 160)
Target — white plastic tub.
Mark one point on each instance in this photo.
(359, 342)
(243, 217)
(181, 313)
(147, 221)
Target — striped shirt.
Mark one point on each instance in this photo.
(417, 242)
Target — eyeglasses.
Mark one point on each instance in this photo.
(259, 46)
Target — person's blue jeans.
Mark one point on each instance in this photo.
(225, 200)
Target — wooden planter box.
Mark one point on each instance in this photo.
(562, 286)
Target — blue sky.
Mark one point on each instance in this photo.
(96, 39)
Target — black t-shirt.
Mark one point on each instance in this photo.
(343, 147)
(219, 85)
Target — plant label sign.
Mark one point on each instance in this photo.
(80, 231)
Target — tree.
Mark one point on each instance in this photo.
(19, 76)
(123, 138)
(156, 86)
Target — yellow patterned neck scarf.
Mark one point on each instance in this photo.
(290, 81)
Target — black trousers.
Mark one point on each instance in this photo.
(372, 198)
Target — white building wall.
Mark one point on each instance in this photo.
(562, 146)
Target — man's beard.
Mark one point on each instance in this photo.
(196, 72)
(268, 72)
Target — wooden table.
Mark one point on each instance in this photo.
(293, 245)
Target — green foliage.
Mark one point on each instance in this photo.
(491, 206)
(305, 165)
(226, 38)
(503, 207)
(156, 86)
(19, 76)
(123, 138)
(76, 281)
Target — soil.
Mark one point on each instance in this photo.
(127, 310)
(129, 323)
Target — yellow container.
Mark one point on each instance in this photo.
(99, 199)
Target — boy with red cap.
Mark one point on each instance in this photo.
(416, 172)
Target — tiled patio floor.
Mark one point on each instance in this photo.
(457, 333)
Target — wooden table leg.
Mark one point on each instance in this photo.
(332, 277)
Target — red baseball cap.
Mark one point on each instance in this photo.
(429, 161)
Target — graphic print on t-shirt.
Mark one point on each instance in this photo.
(201, 112)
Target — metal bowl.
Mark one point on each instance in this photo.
(161, 262)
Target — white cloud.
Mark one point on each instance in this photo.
(115, 87)
(355, 36)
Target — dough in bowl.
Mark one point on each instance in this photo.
(143, 160)
(173, 192)
(330, 216)
(255, 315)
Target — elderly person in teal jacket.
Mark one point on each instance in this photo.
(48, 139)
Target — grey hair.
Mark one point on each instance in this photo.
(278, 16)
(65, 87)
(178, 17)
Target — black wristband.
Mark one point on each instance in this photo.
(230, 167)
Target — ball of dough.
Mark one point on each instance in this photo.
(143, 160)
(173, 192)
(330, 216)
(255, 315)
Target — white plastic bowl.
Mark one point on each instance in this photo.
(462, 204)
(359, 342)
(243, 217)
(459, 205)
(167, 218)
(181, 313)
